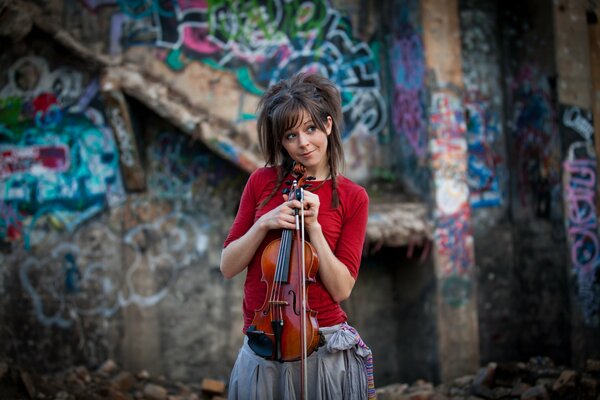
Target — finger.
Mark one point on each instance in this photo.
(295, 204)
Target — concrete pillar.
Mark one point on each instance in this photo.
(457, 327)
(594, 46)
(576, 50)
(572, 53)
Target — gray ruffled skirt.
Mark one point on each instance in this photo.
(341, 369)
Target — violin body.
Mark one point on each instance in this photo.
(285, 309)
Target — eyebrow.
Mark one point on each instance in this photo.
(303, 123)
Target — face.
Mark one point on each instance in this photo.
(306, 144)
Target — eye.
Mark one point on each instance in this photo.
(311, 128)
(290, 136)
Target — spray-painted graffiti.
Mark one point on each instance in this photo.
(11, 222)
(535, 135)
(580, 204)
(482, 77)
(56, 165)
(408, 94)
(452, 236)
(263, 41)
(482, 132)
(183, 170)
(407, 60)
(85, 276)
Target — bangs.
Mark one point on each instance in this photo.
(288, 115)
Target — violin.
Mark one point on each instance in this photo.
(284, 328)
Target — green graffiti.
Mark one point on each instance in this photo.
(238, 21)
(456, 290)
(138, 9)
(375, 47)
(10, 110)
(174, 61)
(245, 78)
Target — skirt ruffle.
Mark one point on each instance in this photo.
(341, 369)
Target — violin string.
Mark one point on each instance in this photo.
(279, 271)
(276, 287)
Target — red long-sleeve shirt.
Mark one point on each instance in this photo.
(344, 229)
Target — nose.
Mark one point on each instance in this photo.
(302, 139)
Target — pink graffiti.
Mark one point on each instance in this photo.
(33, 159)
(47, 110)
(584, 252)
(197, 39)
(446, 119)
(581, 210)
(185, 4)
(408, 68)
(407, 62)
(586, 171)
(451, 237)
(10, 219)
(43, 102)
(408, 119)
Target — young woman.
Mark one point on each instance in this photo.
(300, 121)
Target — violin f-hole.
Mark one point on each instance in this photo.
(294, 303)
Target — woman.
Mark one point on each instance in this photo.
(300, 121)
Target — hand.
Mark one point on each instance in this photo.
(282, 216)
(311, 209)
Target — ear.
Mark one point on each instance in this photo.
(328, 125)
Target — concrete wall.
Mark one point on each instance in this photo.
(93, 271)
(114, 206)
(539, 285)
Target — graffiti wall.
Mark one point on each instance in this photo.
(487, 175)
(88, 267)
(536, 142)
(59, 164)
(539, 282)
(110, 282)
(580, 189)
(261, 42)
(453, 234)
(112, 220)
(483, 104)
(408, 98)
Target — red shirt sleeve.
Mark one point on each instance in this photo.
(244, 218)
(350, 243)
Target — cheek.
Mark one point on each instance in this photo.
(286, 148)
(325, 142)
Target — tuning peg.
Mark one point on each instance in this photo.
(286, 190)
(288, 182)
(310, 178)
(306, 186)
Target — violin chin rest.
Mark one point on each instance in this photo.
(259, 342)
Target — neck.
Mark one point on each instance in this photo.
(320, 176)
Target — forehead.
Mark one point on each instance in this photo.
(302, 118)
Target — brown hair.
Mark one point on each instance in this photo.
(280, 110)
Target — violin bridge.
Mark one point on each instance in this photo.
(279, 303)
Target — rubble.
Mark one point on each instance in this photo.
(108, 381)
(537, 379)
